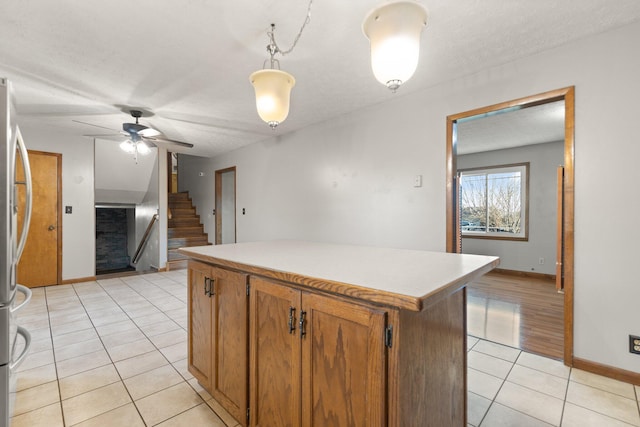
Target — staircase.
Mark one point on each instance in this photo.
(184, 229)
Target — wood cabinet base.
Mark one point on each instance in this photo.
(295, 350)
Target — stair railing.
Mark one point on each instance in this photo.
(143, 242)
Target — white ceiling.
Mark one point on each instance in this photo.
(189, 61)
(512, 127)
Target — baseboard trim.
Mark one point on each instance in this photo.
(78, 280)
(530, 274)
(607, 371)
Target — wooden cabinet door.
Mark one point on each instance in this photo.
(229, 375)
(343, 364)
(200, 323)
(275, 355)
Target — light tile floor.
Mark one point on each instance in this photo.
(113, 353)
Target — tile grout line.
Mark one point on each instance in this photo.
(53, 355)
(156, 349)
(141, 284)
(566, 393)
(499, 388)
(78, 298)
(53, 350)
(132, 400)
(109, 355)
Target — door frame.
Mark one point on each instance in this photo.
(453, 229)
(218, 203)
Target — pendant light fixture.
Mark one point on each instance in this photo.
(394, 31)
(272, 85)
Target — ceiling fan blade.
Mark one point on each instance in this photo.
(168, 141)
(67, 110)
(224, 125)
(112, 137)
(98, 126)
(149, 132)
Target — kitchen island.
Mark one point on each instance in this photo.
(293, 333)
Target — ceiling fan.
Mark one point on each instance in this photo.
(138, 133)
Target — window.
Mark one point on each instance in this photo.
(494, 202)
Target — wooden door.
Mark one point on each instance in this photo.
(40, 264)
(343, 364)
(200, 323)
(275, 355)
(229, 375)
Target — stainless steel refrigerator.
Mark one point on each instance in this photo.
(13, 236)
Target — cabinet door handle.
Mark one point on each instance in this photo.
(303, 332)
(292, 320)
(207, 285)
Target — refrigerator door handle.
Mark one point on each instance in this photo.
(24, 157)
(27, 297)
(27, 338)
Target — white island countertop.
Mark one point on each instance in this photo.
(402, 278)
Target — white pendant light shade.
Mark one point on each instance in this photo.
(273, 89)
(142, 148)
(127, 146)
(394, 31)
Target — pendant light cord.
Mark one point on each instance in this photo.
(295, 41)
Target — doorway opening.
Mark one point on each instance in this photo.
(115, 239)
(563, 237)
(225, 209)
(172, 172)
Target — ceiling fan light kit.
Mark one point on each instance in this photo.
(139, 138)
(135, 145)
(393, 29)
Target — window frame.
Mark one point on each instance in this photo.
(524, 202)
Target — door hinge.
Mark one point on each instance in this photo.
(248, 289)
(388, 336)
(247, 415)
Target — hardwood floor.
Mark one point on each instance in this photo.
(521, 312)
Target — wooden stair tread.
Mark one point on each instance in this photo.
(184, 221)
(183, 213)
(175, 255)
(180, 242)
(185, 229)
(186, 232)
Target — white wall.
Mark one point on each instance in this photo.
(129, 184)
(518, 255)
(78, 228)
(350, 180)
(145, 211)
(163, 207)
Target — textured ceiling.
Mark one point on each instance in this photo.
(510, 128)
(189, 61)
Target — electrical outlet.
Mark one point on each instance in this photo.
(541, 261)
(634, 344)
